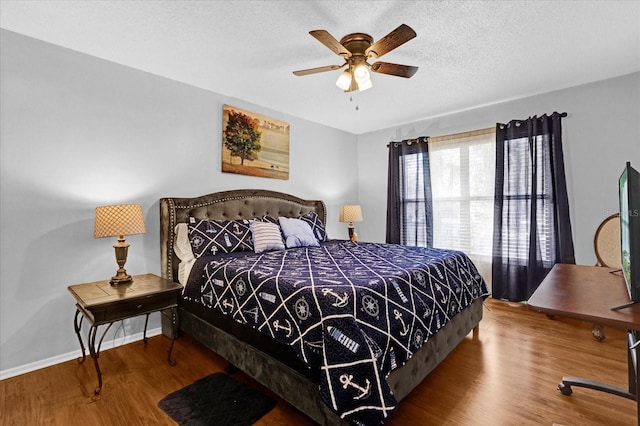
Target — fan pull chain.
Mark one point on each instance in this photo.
(351, 100)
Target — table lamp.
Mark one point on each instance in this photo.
(351, 214)
(118, 221)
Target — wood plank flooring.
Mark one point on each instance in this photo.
(505, 375)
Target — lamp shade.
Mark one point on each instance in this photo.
(344, 80)
(365, 84)
(119, 220)
(351, 213)
(361, 73)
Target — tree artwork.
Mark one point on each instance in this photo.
(254, 144)
(242, 137)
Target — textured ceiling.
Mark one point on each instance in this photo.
(470, 53)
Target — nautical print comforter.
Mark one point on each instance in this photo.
(355, 310)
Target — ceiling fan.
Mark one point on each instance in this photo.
(356, 49)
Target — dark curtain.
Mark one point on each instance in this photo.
(409, 205)
(532, 229)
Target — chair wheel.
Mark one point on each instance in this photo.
(565, 389)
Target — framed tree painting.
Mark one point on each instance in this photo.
(254, 144)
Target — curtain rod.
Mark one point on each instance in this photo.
(463, 134)
(561, 114)
(410, 141)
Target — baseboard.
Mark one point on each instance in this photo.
(37, 365)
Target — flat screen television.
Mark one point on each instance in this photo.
(629, 190)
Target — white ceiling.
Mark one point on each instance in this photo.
(470, 53)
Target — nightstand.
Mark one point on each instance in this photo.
(103, 304)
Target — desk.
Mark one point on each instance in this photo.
(588, 293)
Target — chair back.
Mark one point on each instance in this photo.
(606, 242)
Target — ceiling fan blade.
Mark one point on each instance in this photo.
(318, 69)
(395, 38)
(328, 40)
(398, 70)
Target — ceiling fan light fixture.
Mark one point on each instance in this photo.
(344, 80)
(356, 49)
(365, 84)
(361, 73)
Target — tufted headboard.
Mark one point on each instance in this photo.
(226, 205)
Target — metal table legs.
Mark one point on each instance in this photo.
(94, 350)
(174, 319)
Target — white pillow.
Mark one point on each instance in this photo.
(297, 233)
(184, 270)
(266, 236)
(182, 246)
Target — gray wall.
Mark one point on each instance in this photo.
(78, 132)
(601, 133)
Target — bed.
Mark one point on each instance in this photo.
(303, 349)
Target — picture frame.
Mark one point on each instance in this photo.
(254, 144)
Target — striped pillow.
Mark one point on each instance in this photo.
(266, 236)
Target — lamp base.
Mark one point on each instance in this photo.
(121, 249)
(121, 277)
(352, 233)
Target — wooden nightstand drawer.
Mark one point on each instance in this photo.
(133, 307)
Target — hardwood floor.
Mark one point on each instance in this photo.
(505, 375)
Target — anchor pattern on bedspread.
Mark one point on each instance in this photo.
(356, 310)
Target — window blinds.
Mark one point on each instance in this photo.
(463, 182)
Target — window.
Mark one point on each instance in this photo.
(441, 194)
(409, 215)
(463, 182)
(532, 226)
(445, 196)
(413, 223)
(520, 171)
